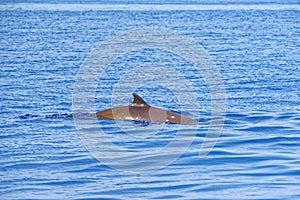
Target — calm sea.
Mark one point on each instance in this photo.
(255, 49)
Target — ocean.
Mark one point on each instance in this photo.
(58, 59)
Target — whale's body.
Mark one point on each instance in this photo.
(137, 110)
(140, 110)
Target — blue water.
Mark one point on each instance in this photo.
(256, 51)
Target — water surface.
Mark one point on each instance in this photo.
(256, 52)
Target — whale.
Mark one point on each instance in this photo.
(138, 110)
(141, 111)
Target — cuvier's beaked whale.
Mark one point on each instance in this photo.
(140, 110)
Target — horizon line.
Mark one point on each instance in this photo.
(145, 7)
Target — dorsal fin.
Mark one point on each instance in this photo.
(138, 100)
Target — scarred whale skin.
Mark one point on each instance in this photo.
(140, 110)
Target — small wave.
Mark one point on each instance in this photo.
(53, 116)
